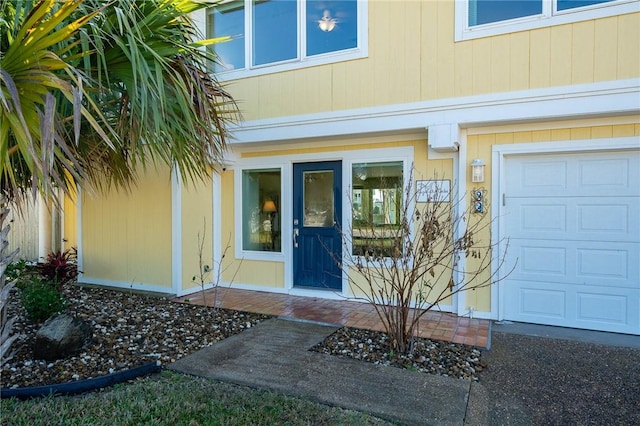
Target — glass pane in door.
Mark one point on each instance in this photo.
(318, 198)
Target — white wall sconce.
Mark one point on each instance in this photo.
(477, 170)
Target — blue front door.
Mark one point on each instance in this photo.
(317, 208)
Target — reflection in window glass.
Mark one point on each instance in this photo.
(376, 203)
(261, 210)
(228, 20)
(318, 198)
(275, 29)
(572, 4)
(487, 11)
(331, 26)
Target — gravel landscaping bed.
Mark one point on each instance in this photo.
(131, 329)
(429, 356)
(128, 330)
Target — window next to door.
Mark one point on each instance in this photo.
(261, 208)
(376, 206)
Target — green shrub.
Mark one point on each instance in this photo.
(42, 299)
(22, 271)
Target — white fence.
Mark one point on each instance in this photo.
(24, 230)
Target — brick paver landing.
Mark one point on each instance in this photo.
(433, 325)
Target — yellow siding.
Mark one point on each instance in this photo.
(413, 57)
(628, 51)
(197, 229)
(605, 36)
(70, 225)
(560, 64)
(282, 150)
(540, 72)
(583, 52)
(126, 237)
(519, 62)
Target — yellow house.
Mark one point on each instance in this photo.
(339, 96)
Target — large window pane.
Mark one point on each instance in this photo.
(487, 11)
(572, 4)
(376, 204)
(228, 20)
(275, 31)
(331, 26)
(261, 210)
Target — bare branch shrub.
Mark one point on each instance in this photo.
(204, 270)
(410, 261)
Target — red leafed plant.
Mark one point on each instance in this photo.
(60, 266)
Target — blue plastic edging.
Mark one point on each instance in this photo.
(80, 386)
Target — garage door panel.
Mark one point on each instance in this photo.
(590, 219)
(538, 218)
(573, 225)
(602, 308)
(538, 176)
(610, 173)
(587, 174)
(610, 267)
(577, 218)
(543, 302)
(565, 262)
(543, 259)
(590, 307)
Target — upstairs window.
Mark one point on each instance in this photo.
(483, 18)
(275, 35)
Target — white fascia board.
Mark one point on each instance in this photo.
(556, 103)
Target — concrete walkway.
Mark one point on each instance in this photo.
(275, 355)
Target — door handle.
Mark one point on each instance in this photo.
(296, 232)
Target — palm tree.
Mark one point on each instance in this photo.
(91, 93)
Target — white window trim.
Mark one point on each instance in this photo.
(359, 52)
(549, 17)
(240, 252)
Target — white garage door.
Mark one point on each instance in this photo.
(573, 223)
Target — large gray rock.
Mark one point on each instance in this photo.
(61, 336)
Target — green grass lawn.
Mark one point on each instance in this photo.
(170, 398)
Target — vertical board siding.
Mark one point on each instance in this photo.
(126, 236)
(582, 51)
(540, 57)
(628, 49)
(197, 227)
(520, 62)
(413, 57)
(605, 36)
